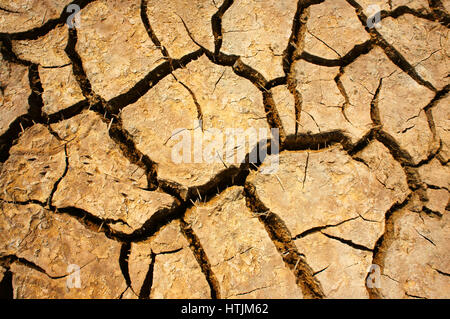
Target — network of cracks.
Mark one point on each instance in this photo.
(233, 176)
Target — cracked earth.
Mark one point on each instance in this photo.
(86, 132)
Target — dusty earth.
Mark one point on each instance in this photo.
(87, 116)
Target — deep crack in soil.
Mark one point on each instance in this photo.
(86, 173)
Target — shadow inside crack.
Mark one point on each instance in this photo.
(6, 286)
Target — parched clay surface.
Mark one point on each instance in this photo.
(94, 204)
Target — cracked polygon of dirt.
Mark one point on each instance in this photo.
(285, 106)
(438, 200)
(168, 109)
(28, 14)
(412, 262)
(328, 24)
(231, 102)
(336, 212)
(434, 173)
(242, 257)
(400, 101)
(361, 79)
(393, 4)
(115, 59)
(322, 103)
(413, 4)
(45, 51)
(446, 6)
(308, 76)
(336, 188)
(441, 117)
(35, 163)
(121, 182)
(52, 242)
(346, 267)
(149, 122)
(352, 230)
(258, 31)
(385, 169)
(31, 284)
(383, 4)
(61, 89)
(176, 273)
(17, 222)
(14, 92)
(423, 43)
(165, 20)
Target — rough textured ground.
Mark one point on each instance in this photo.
(86, 122)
